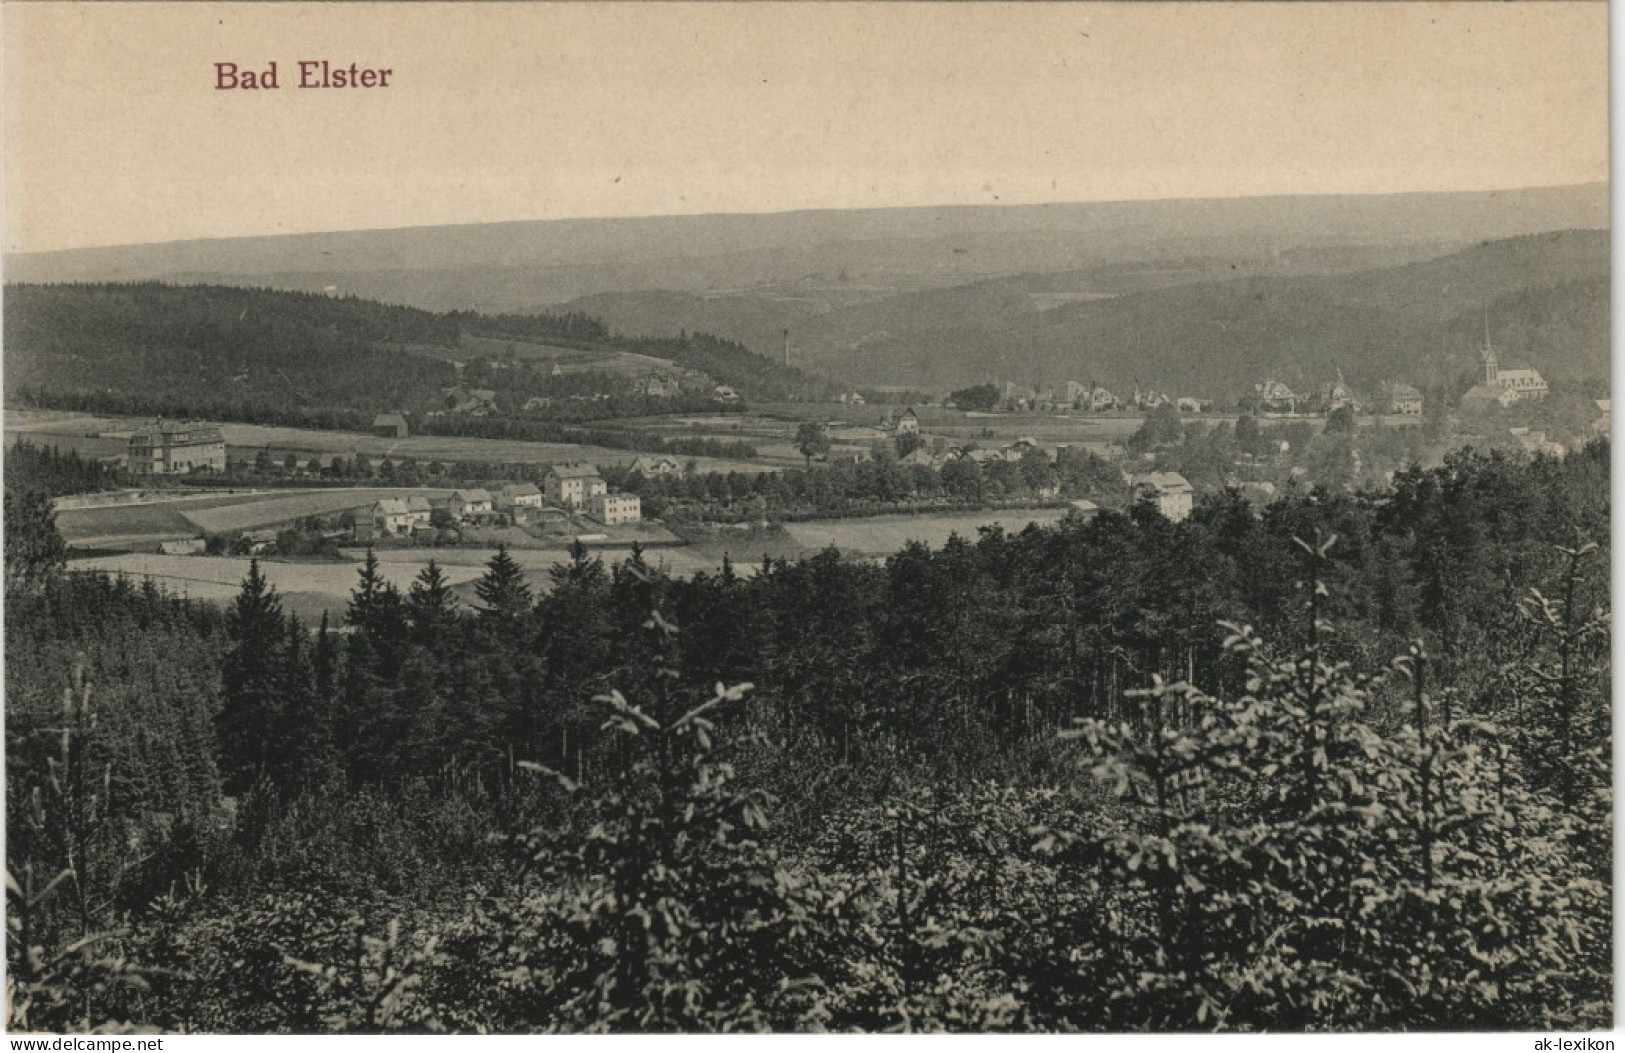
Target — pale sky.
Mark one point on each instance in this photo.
(115, 134)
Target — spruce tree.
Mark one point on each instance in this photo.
(503, 589)
(253, 681)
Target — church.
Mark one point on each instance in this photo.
(1500, 386)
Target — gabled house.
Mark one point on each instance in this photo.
(517, 496)
(399, 516)
(908, 423)
(1400, 400)
(466, 504)
(1336, 395)
(650, 465)
(1275, 397)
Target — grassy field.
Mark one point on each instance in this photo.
(310, 587)
(147, 523)
(306, 588)
(157, 522)
(568, 359)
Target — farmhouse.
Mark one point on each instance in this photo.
(389, 426)
(725, 393)
(516, 496)
(573, 485)
(389, 516)
(614, 509)
(908, 423)
(1171, 491)
(190, 546)
(465, 504)
(399, 516)
(169, 448)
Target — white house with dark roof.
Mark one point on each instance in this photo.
(573, 485)
(516, 496)
(465, 504)
(615, 509)
(176, 448)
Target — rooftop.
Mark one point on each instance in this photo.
(574, 471)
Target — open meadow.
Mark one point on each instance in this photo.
(309, 587)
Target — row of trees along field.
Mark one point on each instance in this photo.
(1342, 765)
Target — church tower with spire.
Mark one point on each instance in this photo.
(1492, 367)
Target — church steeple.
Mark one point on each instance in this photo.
(1492, 368)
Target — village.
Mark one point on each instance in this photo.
(1067, 446)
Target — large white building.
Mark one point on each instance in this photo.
(614, 509)
(573, 485)
(170, 448)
